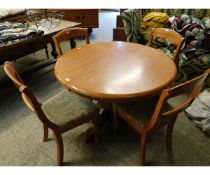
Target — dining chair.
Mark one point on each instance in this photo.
(68, 34)
(169, 34)
(60, 113)
(150, 115)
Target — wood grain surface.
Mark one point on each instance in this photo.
(115, 71)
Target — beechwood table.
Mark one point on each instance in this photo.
(115, 71)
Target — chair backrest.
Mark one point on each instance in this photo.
(68, 34)
(28, 97)
(191, 89)
(169, 34)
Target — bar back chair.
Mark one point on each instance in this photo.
(169, 34)
(60, 113)
(69, 34)
(150, 115)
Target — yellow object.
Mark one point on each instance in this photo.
(153, 19)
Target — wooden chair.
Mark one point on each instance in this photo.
(69, 34)
(61, 113)
(169, 34)
(150, 115)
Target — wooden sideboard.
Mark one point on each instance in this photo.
(87, 17)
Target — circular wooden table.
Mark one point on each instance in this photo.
(115, 71)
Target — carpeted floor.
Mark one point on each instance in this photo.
(21, 132)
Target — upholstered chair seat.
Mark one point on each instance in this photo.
(140, 112)
(68, 108)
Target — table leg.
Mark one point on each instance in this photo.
(72, 43)
(53, 52)
(90, 30)
(105, 117)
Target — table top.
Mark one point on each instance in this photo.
(115, 71)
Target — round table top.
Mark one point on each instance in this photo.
(115, 71)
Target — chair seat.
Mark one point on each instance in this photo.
(139, 112)
(68, 108)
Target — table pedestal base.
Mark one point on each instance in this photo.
(105, 117)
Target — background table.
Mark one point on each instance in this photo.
(27, 46)
(115, 71)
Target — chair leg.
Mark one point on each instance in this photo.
(143, 149)
(45, 138)
(169, 132)
(60, 149)
(96, 129)
(115, 121)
